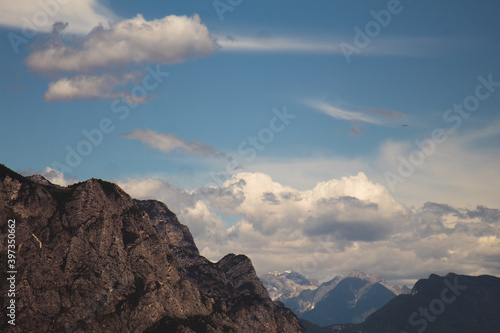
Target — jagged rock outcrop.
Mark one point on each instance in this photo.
(167, 225)
(91, 259)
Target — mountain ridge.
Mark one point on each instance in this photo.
(353, 296)
(90, 258)
(451, 303)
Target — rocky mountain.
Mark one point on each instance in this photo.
(344, 299)
(288, 284)
(89, 258)
(400, 290)
(451, 303)
(351, 301)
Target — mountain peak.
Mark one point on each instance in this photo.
(39, 179)
(111, 263)
(364, 276)
(283, 285)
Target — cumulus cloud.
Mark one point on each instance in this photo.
(53, 176)
(167, 143)
(331, 228)
(95, 66)
(348, 218)
(169, 40)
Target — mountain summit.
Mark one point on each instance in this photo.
(451, 303)
(89, 258)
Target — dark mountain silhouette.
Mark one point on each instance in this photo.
(351, 300)
(453, 303)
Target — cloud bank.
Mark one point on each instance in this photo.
(332, 228)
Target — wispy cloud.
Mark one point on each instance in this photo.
(373, 116)
(391, 114)
(168, 143)
(408, 47)
(275, 44)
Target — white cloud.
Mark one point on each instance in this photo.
(331, 228)
(90, 87)
(83, 15)
(408, 47)
(338, 113)
(461, 171)
(57, 177)
(169, 40)
(279, 44)
(167, 143)
(93, 66)
(53, 176)
(304, 173)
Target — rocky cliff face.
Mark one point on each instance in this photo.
(91, 259)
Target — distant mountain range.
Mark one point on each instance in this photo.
(343, 299)
(89, 258)
(452, 303)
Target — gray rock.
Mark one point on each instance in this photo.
(91, 259)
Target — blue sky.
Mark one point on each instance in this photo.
(230, 73)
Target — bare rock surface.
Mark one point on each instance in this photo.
(89, 258)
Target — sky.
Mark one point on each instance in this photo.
(319, 136)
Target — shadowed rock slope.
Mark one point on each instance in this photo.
(91, 259)
(451, 303)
